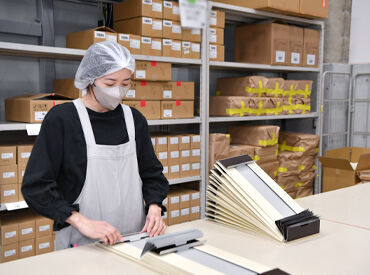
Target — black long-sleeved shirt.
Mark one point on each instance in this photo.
(56, 170)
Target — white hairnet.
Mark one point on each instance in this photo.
(102, 59)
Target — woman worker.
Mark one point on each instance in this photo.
(93, 169)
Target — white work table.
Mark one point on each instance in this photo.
(338, 249)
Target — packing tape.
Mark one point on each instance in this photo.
(277, 152)
(218, 93)
(282, 169)
(314, 167)
(299, 184)
(275, 173)
(282, 186)
(283, 147)
(269, 142)
(256, 158)
(261, 90)
(301, 167)
(258, 112)
(291, 93)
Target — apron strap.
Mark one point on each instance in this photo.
(129, 119)
(85, 121)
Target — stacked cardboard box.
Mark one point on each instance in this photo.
(304, 8)
(216, 35)
(219, 148)
(182, 205)
(179, 154)
(24, 235)
(277, 44)
(257, 95)
(297, 156)
(152, 27)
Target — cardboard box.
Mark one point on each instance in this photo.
(150, 109)
(178, 90)
(185, 170)
(31, 108)
(185, 198)
(161, 143)
(185, 214)
(171, 10)
(185, 156)
(23, 153)
(177, 109)
(153, 143)
(171, 48)
(271, 168)
(217, 19)
(256, 135)
(146, 45)
(219, 148)
(291, 165)
(185, 142)
(173, 143)
(154, 71)
(311, 47)
(84, 39)
(27, 228)
(173, 201)
(174, 172)
(8, 155)
(314, 8)
(144, 26)
(195, 155)
(296, 45)
(216, 52)
(137, 8)
(241, 149)
(186, 49)
(174, 217)
(173, 158)
(266, 154)
(9, 174)
(20, 194)
(26, 248)
(195, 169)
(165, 218)
(66, 87)
(192, 35)
(194, 198)
(172, 30)
(195, 50)
(238, 106)
(165, 171)
(299, 143)
(9, 252)
(9, 231)
(281, 6)
(9, 193)
(194, 213)
(44, 227)
(144, 90)
(131, 42)
(338, 168)
(44, 245)
(156, 47)
(267, 44)
(216, 36)
(20, 171)
(165, 202)
(167, 29)
(195, 141)
(163, 158)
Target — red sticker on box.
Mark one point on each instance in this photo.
(53, 102)
(143, 83)
(142, 103)
(154, 63)
(52, 94)
(324, 4)
(178, 83)
(178, 102)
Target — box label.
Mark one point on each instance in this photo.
(185, 167)
(123, 37)
(185, 197)
(175, 10)
(167, 4)
(157, 25)
(134, 43)
(185, 139)
(167, 23)
(7, 155)
(213, 38)
(131, 94)
(195, 152)
(175, 213)
(147, 21)
(147, 2)
(165, 201)
(10, 234)
(195, 31)
(140, 74)
(280, 57)
(311, 59)
(8, 193)
(44, 228)
(185, 153)
(156, 45)
(23, 173)
(296, 58)
(212, 51)
(195, 196)
(44, 245)
(9, 253)
(213, 21)
(185, 212)
(175, 168)
(195, 209)
(167, 94)
(165, 170)
(26, 231)
(8, 175)
(99, 34)
(162, 155)
(195, 166)
(153, 141)
(186, 44)
(174, 154)
(195, 47)
(26, 248)
(157, 7)
(196, 139)
(176, 46)
(212, 31)
(175, 199)
(111, 38)
(164, 215)
(174, 140)
(176, 29)
(39, 116)
(26, 155)
(167, 113)
(167, 42)
(146, 40)
(162, 141)
(213, 13)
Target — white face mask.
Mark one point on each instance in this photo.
(110, 98)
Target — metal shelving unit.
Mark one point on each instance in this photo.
(215, 65)
(255, 118)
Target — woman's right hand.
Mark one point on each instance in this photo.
(95, 229)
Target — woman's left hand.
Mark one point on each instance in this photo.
(154, 224)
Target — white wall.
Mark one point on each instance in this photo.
(360, 32)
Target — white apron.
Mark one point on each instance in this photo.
(112, 191)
